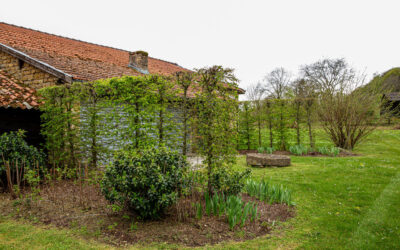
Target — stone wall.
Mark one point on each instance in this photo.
(29, 75)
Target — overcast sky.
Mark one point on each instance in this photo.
(253, 37)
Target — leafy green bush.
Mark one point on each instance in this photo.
(15, 151)
(147, 182)
(260, 150)
(229, 181)
(332, 151)
(298, 149)
(265, 191)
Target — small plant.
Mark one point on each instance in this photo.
(331, 151)
(235, 209)
(260, 150)
(134, 225)
(269, 150)
(265, 191)
(298, 149)
(335, 151)
(115, 208)
(112, 226)
(199, 210)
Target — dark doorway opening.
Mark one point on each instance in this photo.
(13, 119)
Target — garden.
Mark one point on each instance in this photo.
(114, 170)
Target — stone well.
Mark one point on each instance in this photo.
(267, 160)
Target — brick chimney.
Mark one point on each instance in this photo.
(139, 60)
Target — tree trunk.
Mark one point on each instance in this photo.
(298, 122)
(281, 129)
(70, 136)
(259, 133)
(137, 130)
(93, 127)
(184, 121)
(161, 125)
(309, 125)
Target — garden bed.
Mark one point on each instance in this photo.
(342, 153)
(67, 204)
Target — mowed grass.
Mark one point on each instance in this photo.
(341, 203)
(19, 235)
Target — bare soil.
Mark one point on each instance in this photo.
(343, 153)
(82, 207)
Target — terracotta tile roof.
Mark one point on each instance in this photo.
(15, 95)
(83, 60)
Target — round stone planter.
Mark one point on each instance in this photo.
(267, 160)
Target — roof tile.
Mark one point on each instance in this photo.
(15, 95)
(83, 60)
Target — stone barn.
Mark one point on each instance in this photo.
(31, 59)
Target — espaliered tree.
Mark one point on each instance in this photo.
(91, 122)
(216, 106)
(255, 94)
(298, 99)
(95, 119)
(184, 80)
(246, 123)
(277, 83)
(166, 96)
(309, 95)
(134, 103)
(60, 125)
(268, 107)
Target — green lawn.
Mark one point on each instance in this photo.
(349, 203)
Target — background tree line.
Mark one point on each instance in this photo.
(281, 111)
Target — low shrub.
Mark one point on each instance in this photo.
(298, 149)
(146, 182)
(229, 181)
(331, 151)
(265, 191)
(260, 150)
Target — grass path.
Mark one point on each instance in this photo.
(380, 226)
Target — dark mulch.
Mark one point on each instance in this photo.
(68, 205)
(343, 153)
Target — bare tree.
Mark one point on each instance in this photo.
(255, 94)
(277, 83)
(330, 76)
(344, 110)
